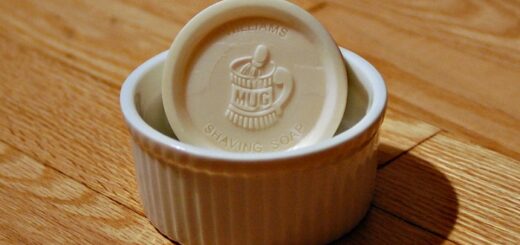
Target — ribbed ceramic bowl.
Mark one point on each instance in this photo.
(310, 195)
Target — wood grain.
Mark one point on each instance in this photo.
(454, 64)
(41, 205)
(458, 190)
(65, 119)
(104, 40)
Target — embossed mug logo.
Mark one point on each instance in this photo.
(254, 102)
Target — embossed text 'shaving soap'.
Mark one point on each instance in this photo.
(254, 76)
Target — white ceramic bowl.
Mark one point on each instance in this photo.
(310, 195)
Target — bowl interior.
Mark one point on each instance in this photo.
(149, 105)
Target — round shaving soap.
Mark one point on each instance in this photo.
(254, 76)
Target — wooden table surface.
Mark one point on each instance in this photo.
(450, 143)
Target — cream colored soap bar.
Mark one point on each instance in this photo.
(254, 76)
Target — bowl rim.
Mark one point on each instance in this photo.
(374, 83)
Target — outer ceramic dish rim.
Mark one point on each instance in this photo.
(225, 11)
(374, 82)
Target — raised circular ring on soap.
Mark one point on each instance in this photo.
(254, 76)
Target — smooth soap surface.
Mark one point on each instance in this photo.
(254, 77)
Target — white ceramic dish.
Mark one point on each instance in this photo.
(310, 195)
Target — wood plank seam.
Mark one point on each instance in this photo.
(383, 165)
(411, 223)
(467, 193)
(454, 127)
(71, 177)
(38, 200)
